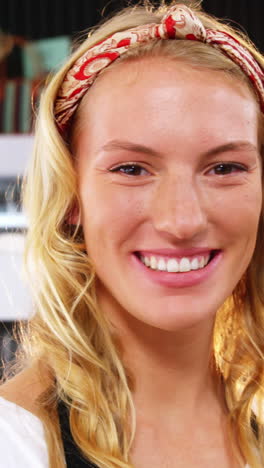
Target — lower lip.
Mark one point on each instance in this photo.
(179, 280)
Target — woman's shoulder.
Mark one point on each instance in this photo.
(25, 388)
(22, 441)
(17, 422)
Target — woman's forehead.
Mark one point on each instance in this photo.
(142, 74)
(152, 92)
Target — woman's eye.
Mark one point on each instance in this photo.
(130, 169)
(228, 168)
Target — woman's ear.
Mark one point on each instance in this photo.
(73, 216)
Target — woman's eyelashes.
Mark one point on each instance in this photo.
(227, 168)
(222, 169)
(130, 169)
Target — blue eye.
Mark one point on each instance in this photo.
(130, 169)
(228, 168)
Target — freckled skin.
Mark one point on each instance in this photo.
(179, 203)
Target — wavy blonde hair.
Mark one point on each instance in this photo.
(70, 333)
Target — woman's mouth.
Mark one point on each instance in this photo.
(179, 270)
(176, 265)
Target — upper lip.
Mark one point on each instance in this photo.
(177, 252)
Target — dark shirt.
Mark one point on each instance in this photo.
(73, 456)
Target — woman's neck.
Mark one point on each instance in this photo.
(171, 371)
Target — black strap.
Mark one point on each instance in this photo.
(73, 456)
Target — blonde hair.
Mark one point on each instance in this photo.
(68, 330)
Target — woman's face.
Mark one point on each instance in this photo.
(169, 179)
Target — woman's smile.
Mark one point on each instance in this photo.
(175, 261)
(179, 272)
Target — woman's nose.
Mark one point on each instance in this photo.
(178, 209)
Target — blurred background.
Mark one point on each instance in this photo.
(35, 38)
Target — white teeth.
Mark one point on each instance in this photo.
(153, 262)
(162, 265)
(172, 266)
(194, 264)
(147, 261)
(185, 265)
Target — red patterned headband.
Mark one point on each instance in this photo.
(180, 22)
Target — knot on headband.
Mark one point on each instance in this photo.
(180, 22)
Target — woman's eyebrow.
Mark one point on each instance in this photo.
(129, 146)
(239, 145)
(231, 146)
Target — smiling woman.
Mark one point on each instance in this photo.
(183, 194)
(145, 252)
